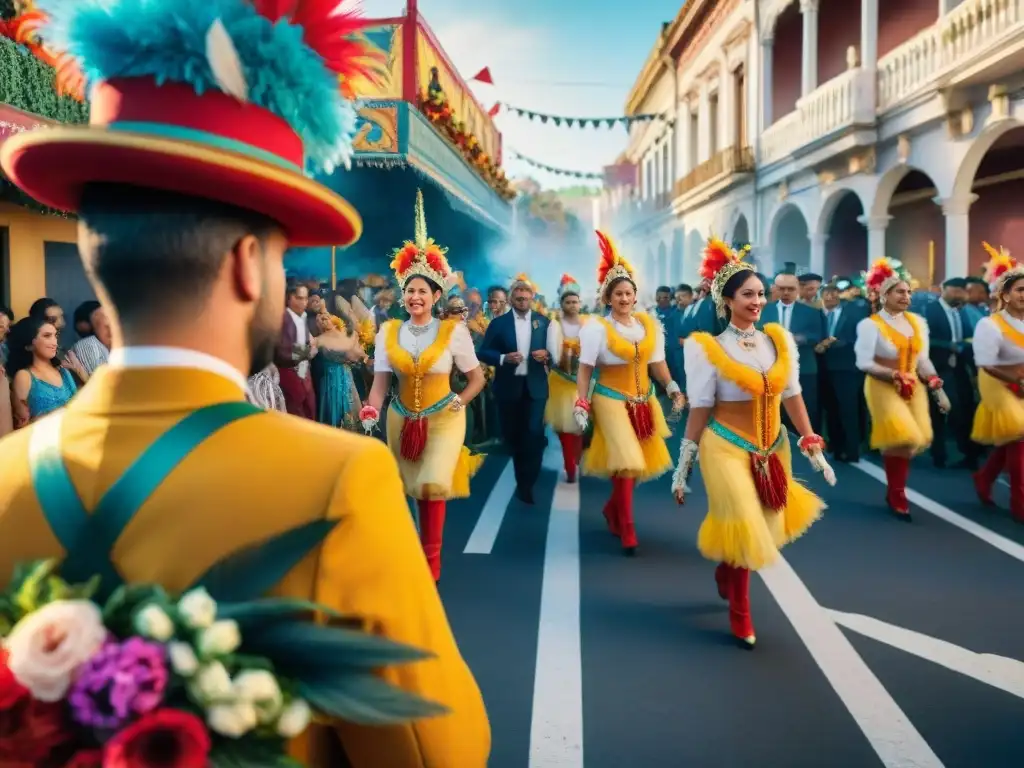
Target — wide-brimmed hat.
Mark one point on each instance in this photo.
(229, 100)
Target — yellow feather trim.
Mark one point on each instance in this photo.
(402, 362)
(743, 376)
(907, 349)
(624, 349)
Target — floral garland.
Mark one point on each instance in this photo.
(434, 105)
(143, 679)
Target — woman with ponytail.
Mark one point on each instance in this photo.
(737, 383)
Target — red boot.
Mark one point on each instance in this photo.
(897, 470)
(723, 578)
(431, 532)
(986, 477)
(1015, 465)
(611, 516)
(739, 608)
(623, 494)
(570, 455)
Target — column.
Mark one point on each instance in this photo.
(682, 135)
(958, 234)
(817, 265)
(703, 125)
(766, 87)
(727, 107)
(868, 34)
(809, 81)
(876, 226)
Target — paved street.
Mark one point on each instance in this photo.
(879, 642)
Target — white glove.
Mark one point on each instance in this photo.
(687, 458)
(582, 417)
(820, 464)
(369, 418)
(942, 400)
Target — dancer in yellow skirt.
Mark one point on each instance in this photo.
(737, 383)
(999, 355)
(564, 348)
(626, 349)
(892, 349)
(426, 424)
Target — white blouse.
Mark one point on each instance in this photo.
(992, 348)
(460, 348)
(705, 386)
(871, 343)
(594, 342)
(558, 331)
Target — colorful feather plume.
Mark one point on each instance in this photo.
(421, 256)
(610, 258)
(1000, 263)
(883, 270)
(717, 254)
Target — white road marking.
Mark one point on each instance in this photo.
(556, 731)
(998, 671)
(1003, 544)
(485, 532)
(891, 734)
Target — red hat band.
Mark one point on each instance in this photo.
(174, 111)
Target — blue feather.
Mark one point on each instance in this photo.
(166, 40)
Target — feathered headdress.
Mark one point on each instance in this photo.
(522, 280)
(421, 256)
(612, 266)
(884, 275)
(720, 263)
(568, 286)
(1000, 268)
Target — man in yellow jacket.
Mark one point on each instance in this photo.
(189, 193)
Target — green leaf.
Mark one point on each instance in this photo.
(126, 600)
(367, 700)
(251, 752)
(254, 571)
(259, 613)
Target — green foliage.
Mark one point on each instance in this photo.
(34, 585)
(126, 601)
(29, 84)
(251, 753)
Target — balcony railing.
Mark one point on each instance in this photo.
(843, 101)
(966, 31)
(724, 163)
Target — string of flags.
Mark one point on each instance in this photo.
(556, 171)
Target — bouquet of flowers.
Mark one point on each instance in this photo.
(143, 679)
(367, 335)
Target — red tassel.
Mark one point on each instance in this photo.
(413, 439)
(770, 481)
(642, 419)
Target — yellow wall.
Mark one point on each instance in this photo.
(27, 234)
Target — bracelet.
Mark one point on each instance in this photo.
(934, 382)
(582, 404)
(457, 404)
(1016, 386)
(672, 388)
(809, 443)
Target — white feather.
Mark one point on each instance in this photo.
(224, 62)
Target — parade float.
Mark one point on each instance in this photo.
(419, 127)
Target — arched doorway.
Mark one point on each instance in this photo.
(846, 250)
(789, 242)
(996, 216)
(916, 234)
(662, 277)
(740, 232)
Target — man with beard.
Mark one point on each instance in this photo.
(188, 196)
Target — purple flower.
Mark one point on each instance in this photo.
(122, 681)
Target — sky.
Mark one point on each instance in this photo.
(576, 58)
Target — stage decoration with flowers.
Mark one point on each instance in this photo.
(144, 678)
(434, 105)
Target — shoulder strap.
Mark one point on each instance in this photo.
(89, 539)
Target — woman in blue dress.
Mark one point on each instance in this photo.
(40, 383)
(338, 344)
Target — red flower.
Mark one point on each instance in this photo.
(31, 730)
(86, 758)
(11, 691)
(168, 738)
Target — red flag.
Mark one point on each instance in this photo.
(493, 111)
(484, 76)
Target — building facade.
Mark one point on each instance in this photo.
(882, 129)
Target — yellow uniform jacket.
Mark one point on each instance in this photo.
(255, 478)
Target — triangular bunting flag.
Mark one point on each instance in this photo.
(484, 76)
(543, 119)
(611, 121)
(493, 111)
(557, 120)
(571, 122)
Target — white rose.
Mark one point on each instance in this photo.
(260, 688)
(47, 647)
(232, 720)
(213, 683)
(197, 608)
(183, 659)
(153, 623)
(219, 639)
(294, 720)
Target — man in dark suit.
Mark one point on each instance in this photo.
(700, 315)
(516, 345)
(295, 348)
(841, 384)
(667, 313)
(951, 330)
(807, 325)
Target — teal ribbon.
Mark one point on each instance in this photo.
(564, 375)
(437, 407)
(727, 434)
(181, 133)
(89, 539)
(614, 394)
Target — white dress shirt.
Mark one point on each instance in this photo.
(302, 339)
(956, 328)
(594, 342)
(871, 343)
(692, 309)
(524, 328)
(704, 385)
(460, 351)
(992, 348)
(175, 357)
(785, 314)
(832, 319)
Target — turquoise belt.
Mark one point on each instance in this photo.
(727, 434)
(616, 395)
(564, 375)
(437, 407)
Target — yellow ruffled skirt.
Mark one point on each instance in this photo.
(738, 530)
(444, 469)
(615, 449)
(895, 422)
(561, 401)
(999, 419)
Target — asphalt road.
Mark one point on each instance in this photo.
(879, 642)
